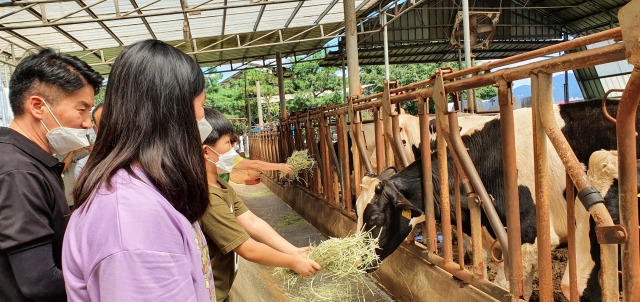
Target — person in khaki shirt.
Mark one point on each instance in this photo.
(230, 226)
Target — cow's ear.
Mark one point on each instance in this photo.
(388, 172)
(407, 209)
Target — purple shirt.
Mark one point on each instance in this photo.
(130, 244)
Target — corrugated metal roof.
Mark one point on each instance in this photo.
(213, 32)
(239, 31)
(522, 26)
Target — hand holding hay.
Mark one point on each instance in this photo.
(300, 160)
(343, 262)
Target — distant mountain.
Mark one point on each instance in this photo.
(558, 89)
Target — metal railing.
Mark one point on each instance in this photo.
(331, 179)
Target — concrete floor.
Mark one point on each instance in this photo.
(254, 282)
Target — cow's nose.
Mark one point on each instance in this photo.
(373, 266)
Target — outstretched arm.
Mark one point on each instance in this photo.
(262, 254)
(249, 164)
(263, 232)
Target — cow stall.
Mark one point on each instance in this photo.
(327, 194)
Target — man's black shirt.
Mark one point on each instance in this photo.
(33, 208)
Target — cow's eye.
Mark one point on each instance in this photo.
(379, 188)
(376, 219)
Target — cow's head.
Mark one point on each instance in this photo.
(384, 211)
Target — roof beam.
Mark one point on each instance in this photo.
(17, 10)
(332, 35)
(75, 11)
(144, 20)
(539, 11)
(248, 60)
(58, 29)
(608, 11)
(325, 12)
(293, 14)
(255, 27)
(130, 14)
(224, 24)
(224, 18)
(94, 16)
(29, 2)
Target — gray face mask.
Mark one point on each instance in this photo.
(63, 139)
(205, 129)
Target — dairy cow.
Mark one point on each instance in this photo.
(409, 134)
(603, 175)
(385, 198)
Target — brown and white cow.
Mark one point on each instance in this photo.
(385, 198)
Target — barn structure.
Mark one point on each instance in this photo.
(596, 39)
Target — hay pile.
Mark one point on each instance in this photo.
(341, 279)
(300, 160)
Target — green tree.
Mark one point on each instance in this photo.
(486, 92)
(313, 86)
(99, 97)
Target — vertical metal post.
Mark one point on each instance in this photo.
(456, 194)
(247, 103)
(390, 155)
(541, 92)
(344, 76)
(379, 137)
(427, 178)
(383, 22)
(351, 38)
(627, 163)
(283, 103)
(511, 190)
(445, 209)
(571, 239)
(467, 50)
(566, 77)
(355, 150)
(343, 149)
(259, 100)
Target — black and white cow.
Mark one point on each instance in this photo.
(384, 199)
(603, 175)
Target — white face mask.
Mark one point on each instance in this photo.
(63, 139)
(225, 161)
(205, 129)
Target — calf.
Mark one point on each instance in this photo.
(387, 200)
(603, 175)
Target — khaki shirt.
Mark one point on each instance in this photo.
(224, 233)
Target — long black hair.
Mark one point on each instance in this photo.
(149, 121)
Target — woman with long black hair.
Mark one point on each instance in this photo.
(134, 233)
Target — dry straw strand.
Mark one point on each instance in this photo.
(343, 262)
(300, 160)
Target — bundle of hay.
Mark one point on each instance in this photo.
(341, 279)
(300, 160)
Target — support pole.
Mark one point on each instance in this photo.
(247, 103)
(467, 51)
(351, 38)
(259, 100)
(283, 103)
(383, 15)
(344, 78)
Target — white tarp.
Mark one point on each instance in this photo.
(6, 115)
